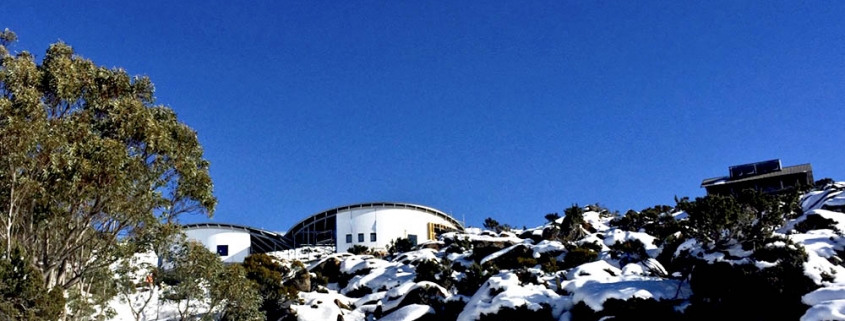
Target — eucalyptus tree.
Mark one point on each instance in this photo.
(92, 170)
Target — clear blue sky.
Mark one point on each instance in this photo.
(503, 109)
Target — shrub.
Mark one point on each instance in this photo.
(578, 256)
(238, 296)
(491, 224)
(720, 289)
(631, 309)
(269, 276)
(716, 220)
(400, 245)
(550, 266)
(428, 270)
(460, 245)
(22, 292)
(570, 228)
(630, 251)
(522, 312)
(448, 309)
(474, 277)
(816, 222)
(358, 249)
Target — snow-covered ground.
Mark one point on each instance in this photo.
(385, 289)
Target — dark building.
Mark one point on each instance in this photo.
(768, 177)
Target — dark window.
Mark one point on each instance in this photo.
(413, 239)
(223, 250)
(372, 237)
(348, 238)
(360, 237)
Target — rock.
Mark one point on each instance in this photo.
(423, 295)
(329, 268)
(532, 235)
(341, 305)
(482, 248)
(518, 256)
(302, 281)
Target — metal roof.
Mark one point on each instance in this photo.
(803, 168)
(334, 211)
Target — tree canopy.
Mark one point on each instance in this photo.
(91, 168)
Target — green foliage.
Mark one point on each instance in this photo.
(551, 217)
(721, 289)
(448, 309)
(269, 276)
(666, 257)
(194, 267)
(90, 168)
(459, 245)
(822, 183)
(571, 227)
(749, 218)
(428, 270)
(526, 262)
(631, 309)
(474, 278)
(522, 312)
(201, 278)
(239, 295)
(550, 266)
(656, 221)
(358, 249)
(816, 222)
(577, 256)
(716, 220)
(399, 245)
(22, 292)
(491, 224)
(630, 251)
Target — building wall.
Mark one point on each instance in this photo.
(387, 224)
(238, 242)
(766, 185)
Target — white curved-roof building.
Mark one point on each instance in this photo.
(372, 225)
(234, 242)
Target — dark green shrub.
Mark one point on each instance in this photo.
(522, 312)
(632, 309)
(629, 251)
(816, 222)
(23, 295)
(428, 270)
(774, 293)
(474, 278)
(358, 249)
(578, 256)
(526, 262)
(447, 309)
(459, 245)
(550, 266)
(716, 220)
(268, 275)
(400, 245)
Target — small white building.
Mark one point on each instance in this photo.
(373, 225)
(234, 242)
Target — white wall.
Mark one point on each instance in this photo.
(388, 224)
(238, 241)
